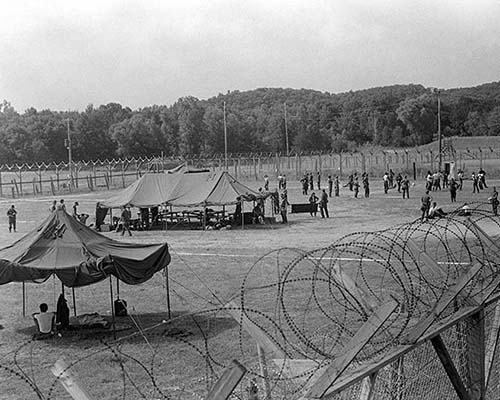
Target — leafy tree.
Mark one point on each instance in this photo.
(137, 136)
(494, 122)
(476, 124)
(190, 119)
(419, 120)
(93, 138)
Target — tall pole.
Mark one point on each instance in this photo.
(225, 138)
(439, 131)
(286, 133)
(70, 161)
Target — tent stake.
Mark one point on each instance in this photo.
(112, 306)
(74, 301)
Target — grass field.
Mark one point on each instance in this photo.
(207, 269)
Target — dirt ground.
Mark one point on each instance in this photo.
(207, 268)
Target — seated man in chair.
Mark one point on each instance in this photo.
(45, 322)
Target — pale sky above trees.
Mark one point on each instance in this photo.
(62, 54)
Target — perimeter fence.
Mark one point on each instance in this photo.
(19, 180)
(410, 312)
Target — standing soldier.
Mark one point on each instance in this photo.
(126, 215)
(311, 181)
(11, 214)
(366, 185)
(429, 179)
(330, 185)
(391, 178)
(323, 204)
(445, 180)
(475, 187)
(313, 200)
(386, 182)
(453, 190)
(399, 180)
(318, 180)
(284, 208)
(305, 184)
(482, 178)
(53, 207)
(494, 200)
(75, 211)
(460, 176)
(356, 187)
(350, 182)
(337, 186)
(405, 186)
(425, 206)
(266, 183)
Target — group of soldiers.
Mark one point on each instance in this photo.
(391, 181)
(307, 183)
(12, 213)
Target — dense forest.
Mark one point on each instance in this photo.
(259, 120)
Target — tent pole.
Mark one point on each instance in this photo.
(204, 222)
(242, 215)
(74, 300)
(24, 299)
(167, 286)
(165, 212)
(112, 306)
(117, 288)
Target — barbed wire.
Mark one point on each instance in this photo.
(310, 304)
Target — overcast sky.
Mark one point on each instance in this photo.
(66, 54)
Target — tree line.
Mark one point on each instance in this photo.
(260, 120)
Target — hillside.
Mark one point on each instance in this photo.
(262, 120)
(464, 143)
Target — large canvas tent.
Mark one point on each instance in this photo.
(149, 190)
(78, 255)
(209, 189)
(185, 189)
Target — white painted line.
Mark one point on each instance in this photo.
(310, 258)
(377, 260)
(215, 255)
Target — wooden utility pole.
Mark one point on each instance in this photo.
(70, 161)
(225, 138)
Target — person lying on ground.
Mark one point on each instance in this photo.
(435, 211)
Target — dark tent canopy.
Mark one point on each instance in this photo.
(78, 256)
